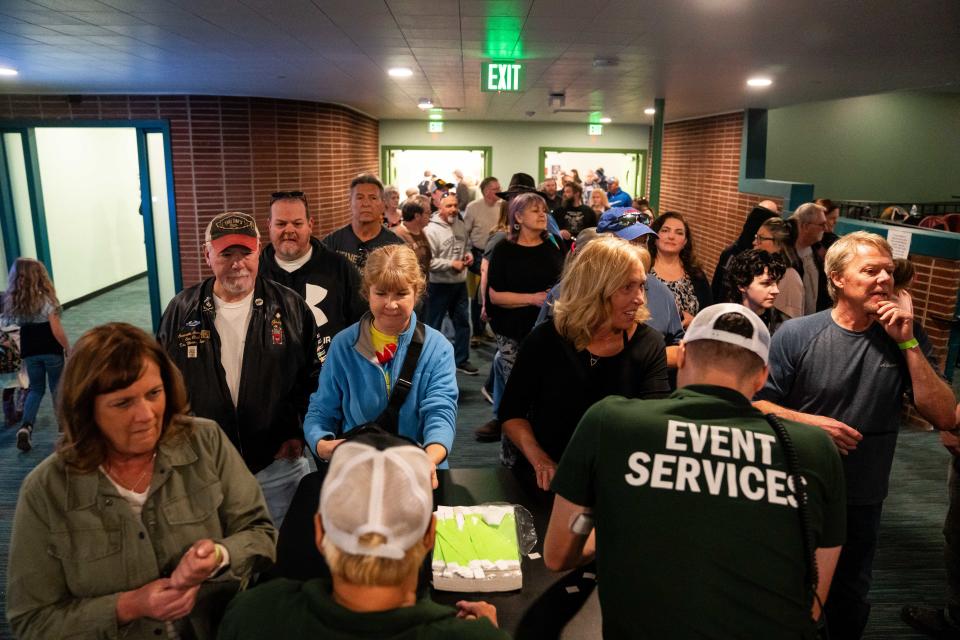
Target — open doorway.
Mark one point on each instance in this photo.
(404, 167)
(94, 203)
(629, 166)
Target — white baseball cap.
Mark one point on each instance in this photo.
(373, 490)
(702, 328)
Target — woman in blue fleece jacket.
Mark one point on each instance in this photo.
(365, 359)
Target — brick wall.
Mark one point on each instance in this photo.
(701, 164)
(232, 153)
(935, 298)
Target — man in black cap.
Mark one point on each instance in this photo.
(247, 348)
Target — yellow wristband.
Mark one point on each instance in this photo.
(218, 555)
(909, 344)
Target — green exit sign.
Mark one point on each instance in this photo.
(594, 129)
(435, 126)
(501, 76)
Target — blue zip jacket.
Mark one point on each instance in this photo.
(353, 391)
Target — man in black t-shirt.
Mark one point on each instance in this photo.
(365, 231)
(572, 215)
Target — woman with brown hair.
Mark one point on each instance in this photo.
(777, 237)
(31, 302)
(675, 264)
(145, 521)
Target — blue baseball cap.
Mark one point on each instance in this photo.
(625, 222)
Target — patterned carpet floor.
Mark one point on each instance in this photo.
(909, 564)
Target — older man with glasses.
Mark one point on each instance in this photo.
(328, 282)
(811, 223)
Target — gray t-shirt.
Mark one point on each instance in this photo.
(818, 367)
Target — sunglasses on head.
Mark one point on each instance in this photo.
(628, 219)
(288, 195)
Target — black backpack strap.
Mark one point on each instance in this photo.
(389, 420)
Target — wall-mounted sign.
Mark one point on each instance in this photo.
(501, 76)
(595, 129)
(435, 126)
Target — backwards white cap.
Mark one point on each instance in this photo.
(702, 328)
(369, 490)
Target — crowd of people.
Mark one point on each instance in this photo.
(729, 441)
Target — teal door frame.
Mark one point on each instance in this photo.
(11, 239)
(639, 165)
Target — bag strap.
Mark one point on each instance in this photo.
(389, 420)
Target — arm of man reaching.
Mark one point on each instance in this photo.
(571, 540)
(780, 383)
(826, 564)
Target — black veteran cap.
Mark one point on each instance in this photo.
(233, 228)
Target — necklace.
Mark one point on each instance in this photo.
(142, 474)
(614, 336)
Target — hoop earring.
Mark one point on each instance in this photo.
(516, 226)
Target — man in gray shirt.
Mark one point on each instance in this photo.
(845, 370)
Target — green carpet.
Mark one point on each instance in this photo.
(908, 567)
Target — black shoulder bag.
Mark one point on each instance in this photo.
(389, 419)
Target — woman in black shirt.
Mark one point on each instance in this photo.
(597, 345)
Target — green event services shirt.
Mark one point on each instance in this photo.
(697, 533)
(285, 608)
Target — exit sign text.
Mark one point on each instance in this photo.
(594, 129)
(435, 126)
(501, 76)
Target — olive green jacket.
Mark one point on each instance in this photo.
(77, 545)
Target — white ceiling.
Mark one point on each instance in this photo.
(696, 54)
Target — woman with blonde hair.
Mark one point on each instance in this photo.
(599, 202)
(597, 345)
(365, 361)
(31, 302)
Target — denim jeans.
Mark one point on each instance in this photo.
(41, 370)
(503, 363)
(847, 608)
(451, 298)
(279, 482)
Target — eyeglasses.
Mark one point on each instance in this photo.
(760, 238)
(288, 195)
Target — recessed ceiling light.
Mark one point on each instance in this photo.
(759, 82)
(400, 72)
(606, 120)
(649, 111)
(7, 71)
(425, 103)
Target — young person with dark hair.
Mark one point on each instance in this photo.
(753, 280)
